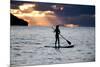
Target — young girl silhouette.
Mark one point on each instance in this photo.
(57, 31)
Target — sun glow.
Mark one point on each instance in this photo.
(71, 25)
(27, 7)
(34, 17)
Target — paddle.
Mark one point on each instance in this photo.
(64, 38)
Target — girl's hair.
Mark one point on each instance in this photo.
(57, 26)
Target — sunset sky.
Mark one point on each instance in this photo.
(45, 14)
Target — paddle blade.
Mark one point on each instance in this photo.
(68, 42)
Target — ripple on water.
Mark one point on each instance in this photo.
(16, 49)
(16, 55)
(58, 59)
(50, 58)
(37, 43)
(89, 52)
(79, 50)
(49, 53)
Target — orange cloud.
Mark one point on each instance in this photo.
(26, 8)
(34, 17)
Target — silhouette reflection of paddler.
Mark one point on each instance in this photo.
(57, 31)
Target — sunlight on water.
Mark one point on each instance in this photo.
(27, 45)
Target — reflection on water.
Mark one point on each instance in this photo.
(27, 45)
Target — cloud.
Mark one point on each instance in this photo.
(82, 20)
(26, 8)
(57, 7)
(34, 17)
(29, 13)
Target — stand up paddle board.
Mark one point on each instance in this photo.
(70, 46)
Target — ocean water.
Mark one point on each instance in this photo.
(27, 45)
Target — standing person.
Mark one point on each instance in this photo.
(57, 31)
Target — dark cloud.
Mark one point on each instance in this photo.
(82, 20)
(84, 15)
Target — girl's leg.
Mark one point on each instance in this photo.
(56, 43)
